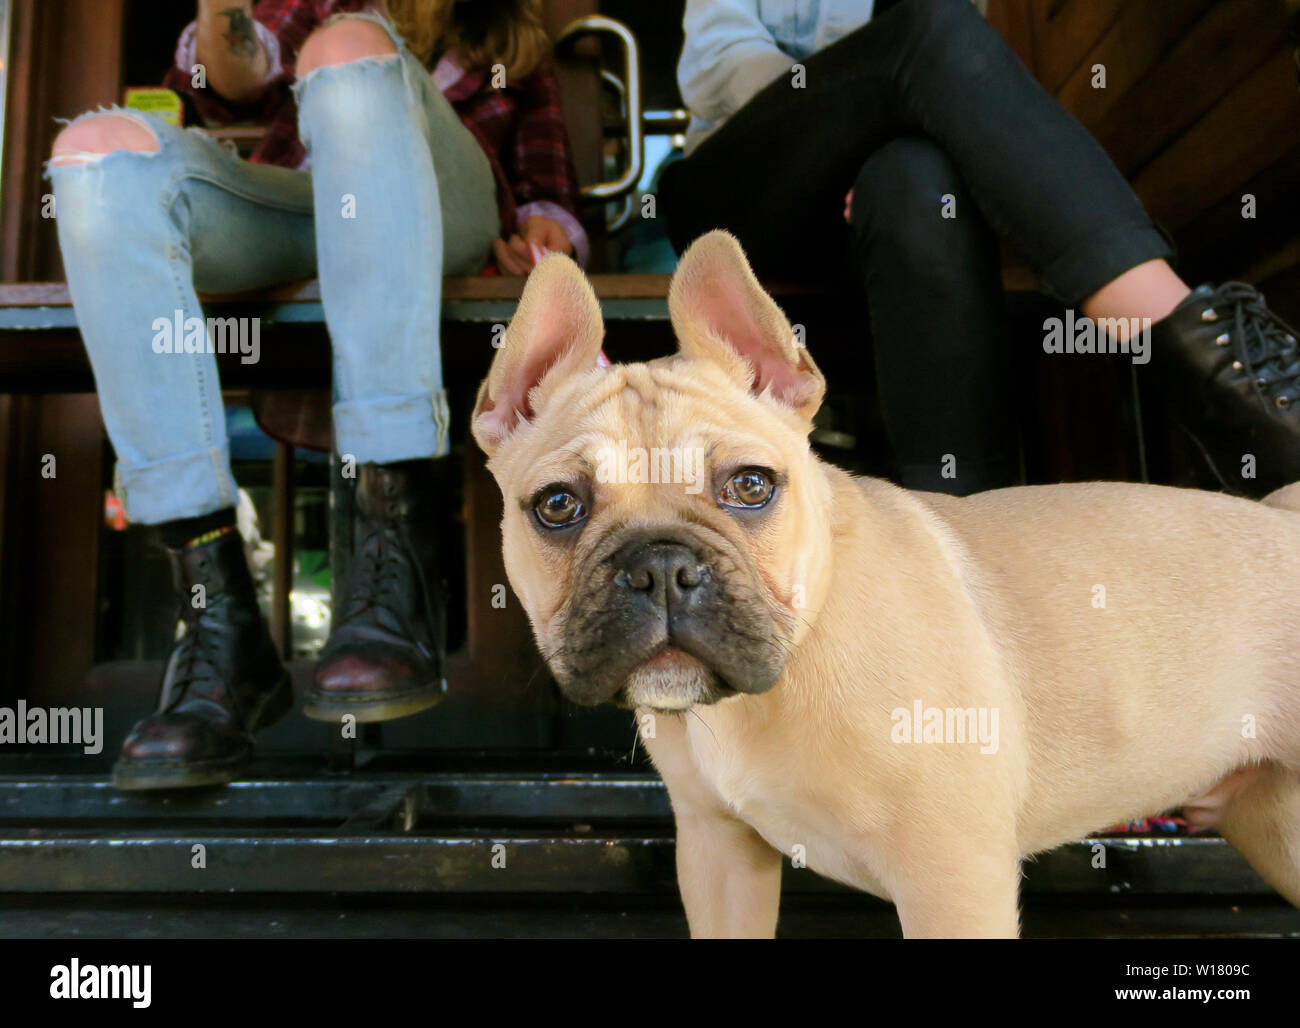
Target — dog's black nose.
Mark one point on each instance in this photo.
(666, 572)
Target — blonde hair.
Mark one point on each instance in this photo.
(480, 32)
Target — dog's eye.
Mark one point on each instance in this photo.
(556, 507)
(749, 488)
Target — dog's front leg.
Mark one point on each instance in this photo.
(730, 879)
(963, 895)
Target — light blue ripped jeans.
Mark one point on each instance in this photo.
(140, 232)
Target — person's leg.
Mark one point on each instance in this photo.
(1151, 289)
(380, 213)
(144, 210)
(403, 193)
(939, 339)
(1230, 368)
(933, 68)
(936, 68)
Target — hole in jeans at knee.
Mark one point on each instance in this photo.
(93, 136)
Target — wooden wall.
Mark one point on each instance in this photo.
(1201, 107)
(65, 57)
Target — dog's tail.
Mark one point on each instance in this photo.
(1287, 497)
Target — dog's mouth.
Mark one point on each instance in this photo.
(670, 658)
(672, 680)
(668, 675)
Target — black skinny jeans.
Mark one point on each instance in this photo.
(924, 109)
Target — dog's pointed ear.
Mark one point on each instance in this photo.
(720, 313)
(556, 331)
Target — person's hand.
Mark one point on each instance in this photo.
(546, 234)
(512, 255)
(848, 206)
(538, 236)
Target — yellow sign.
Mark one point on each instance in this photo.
(162, 102)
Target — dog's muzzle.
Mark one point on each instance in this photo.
(665, 622)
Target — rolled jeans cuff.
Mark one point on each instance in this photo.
(383, 429)
(187, 486)
(1102, 258)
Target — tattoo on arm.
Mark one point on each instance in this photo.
(241, 39)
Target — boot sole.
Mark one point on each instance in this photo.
(369, 710)
(1210, 471)
(139, 776)
(1204, 459)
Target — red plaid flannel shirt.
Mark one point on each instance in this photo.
(520, 127)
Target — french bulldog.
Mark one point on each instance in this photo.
(913, 692)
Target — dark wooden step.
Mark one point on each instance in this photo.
(582, 832)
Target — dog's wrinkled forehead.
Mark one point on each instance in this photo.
(739, 370)
(670, 423)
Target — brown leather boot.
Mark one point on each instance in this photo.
(223, 681)
(386, 651)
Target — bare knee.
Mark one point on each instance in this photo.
(102, 134)
(343, 41)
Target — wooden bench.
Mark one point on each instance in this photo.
(41, 349)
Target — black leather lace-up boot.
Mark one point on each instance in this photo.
(386, 651)
(223, 681)
(1230, 369)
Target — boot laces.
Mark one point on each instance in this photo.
(194, 660)
(380, 567)
(1266, 343)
